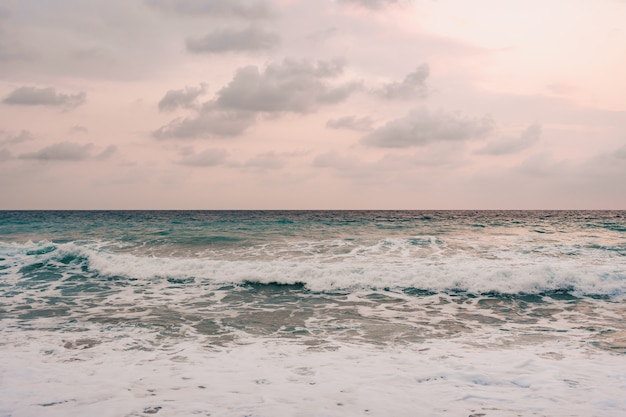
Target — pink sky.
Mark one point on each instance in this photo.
(301, 104)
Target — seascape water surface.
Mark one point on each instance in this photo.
(312, 313)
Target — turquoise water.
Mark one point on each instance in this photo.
(132, 288)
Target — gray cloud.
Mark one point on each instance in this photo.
(78, 129)
(360, 171)
(268, 160)
(106, 153)
(207, 158)
(413, 86)
(372, 4)
(506, 146)
(10, 48)
(185, 98)
(209, 122)
(620, 153)
(323, 35)
(63, 151)
(288, 86)
(422, 127)
(7, 8)
(360, 124)
(560, 88)
(5, 155)
(249, 9)
(543, 165)
(23, 136)
(229, 40)
(33, 96)
(333, 160)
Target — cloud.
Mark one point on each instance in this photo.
(33, 96)
(5, 155)
(209, 122)
(323, 35)
(620, 153)
(560, 88)
(23, 136)
(7, 8)
(333, 160)
(372, 4)
(287, 86)
(63, 151)
(78, 129)
(363, 172)
(248, 9)
(207, 158)
(360, 124)
(268, 160)
(422, 127)
(106, 153)
(413, 86)
(229, 40)
(543, 165)
(11, 47)
(506, 146)
(185, 98)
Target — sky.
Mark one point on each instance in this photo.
(303, 104)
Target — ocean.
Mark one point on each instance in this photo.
(312, 313)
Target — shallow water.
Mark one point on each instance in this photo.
(312, 313)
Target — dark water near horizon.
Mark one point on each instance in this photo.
(285, 306)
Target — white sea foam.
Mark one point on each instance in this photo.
(503, 271)
(51, 376)
(117, 330)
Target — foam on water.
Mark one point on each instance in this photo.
(312, 314)
(502, 271)
(271, 378)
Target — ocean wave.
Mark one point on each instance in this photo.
(513, 272)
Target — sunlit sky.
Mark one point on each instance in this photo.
(302, 104)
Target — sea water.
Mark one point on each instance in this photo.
(313, 313)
